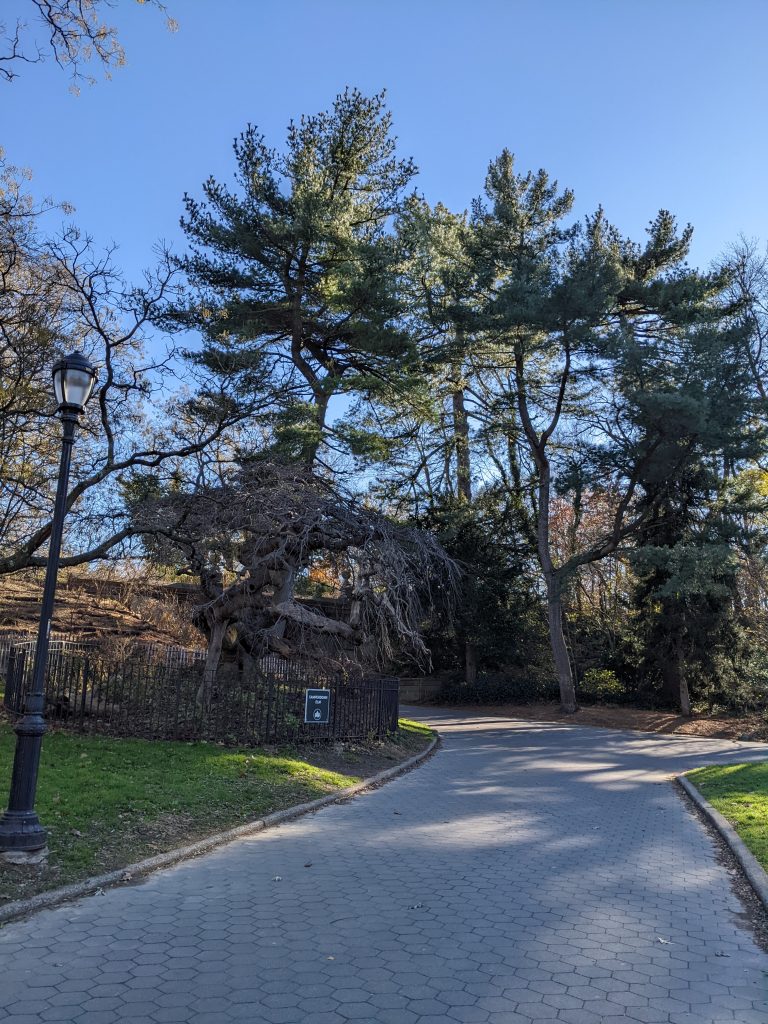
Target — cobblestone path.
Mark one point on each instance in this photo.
(525, 873)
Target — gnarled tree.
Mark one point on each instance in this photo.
(264, 528)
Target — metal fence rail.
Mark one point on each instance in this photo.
(149, 695)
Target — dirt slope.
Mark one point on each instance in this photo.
(94, 609)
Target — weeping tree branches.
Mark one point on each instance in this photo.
(266, 527)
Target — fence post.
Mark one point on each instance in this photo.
(10, 680)
(86, 674)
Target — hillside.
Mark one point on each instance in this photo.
(94, 609)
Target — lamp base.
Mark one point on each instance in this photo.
(21, 832)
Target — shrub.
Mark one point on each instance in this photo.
(601, 686)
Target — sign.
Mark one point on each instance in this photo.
(317, 707)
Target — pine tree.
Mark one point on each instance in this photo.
(686, 554)
(293, 273)
(591, 324)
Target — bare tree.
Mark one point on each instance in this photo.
(63, 293)
(73, 32)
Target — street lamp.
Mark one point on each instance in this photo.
(22, 837)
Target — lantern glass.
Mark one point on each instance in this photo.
(73, 380)
(58, 385)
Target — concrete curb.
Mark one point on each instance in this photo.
(90, 886)
(751, 867)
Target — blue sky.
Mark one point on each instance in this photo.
(635, 104)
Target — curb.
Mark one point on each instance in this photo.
(749, 864)
(90, 886)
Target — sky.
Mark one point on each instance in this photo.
(635, 104)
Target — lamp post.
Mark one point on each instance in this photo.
(22, 837)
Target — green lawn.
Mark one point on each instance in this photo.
(111, 802)
(740, 793)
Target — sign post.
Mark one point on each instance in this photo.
(317, 707)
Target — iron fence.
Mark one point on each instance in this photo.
(61, 642)
(8, 641)
(150, 695)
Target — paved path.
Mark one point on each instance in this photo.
(526, 873)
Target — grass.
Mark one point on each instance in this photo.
(111, 802)
(415, 729)
(740, 793)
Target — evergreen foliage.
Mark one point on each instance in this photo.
(499, 613)
(292, 273)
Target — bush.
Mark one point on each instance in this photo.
(601, 686)
(737, 683)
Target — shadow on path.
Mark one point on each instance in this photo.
(527, 872)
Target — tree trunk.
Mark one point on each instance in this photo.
(470, 664)
(461, 442)
(554, 593)
(463, 489)
(212, 658)
(559, 649)
(674, 681)
(246, 664)
(685, 697)
(552, 576)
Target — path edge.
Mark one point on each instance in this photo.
(738, 744)
(90, 886)
(749, 864)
